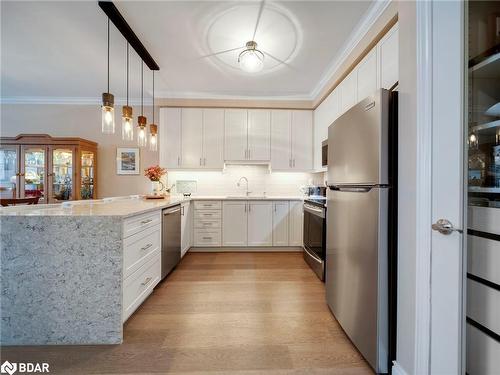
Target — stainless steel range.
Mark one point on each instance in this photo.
(315, 234)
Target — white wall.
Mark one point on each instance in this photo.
(259, 178)
(83, 121)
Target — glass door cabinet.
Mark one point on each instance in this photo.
(53, 169)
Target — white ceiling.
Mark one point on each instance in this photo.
(58, 49)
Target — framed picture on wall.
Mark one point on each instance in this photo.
(127, 160)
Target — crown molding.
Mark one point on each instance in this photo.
(215, 96)
(65, 100)
(360, 30)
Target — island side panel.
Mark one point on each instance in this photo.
(61, 280)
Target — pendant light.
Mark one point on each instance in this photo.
(127, 119)
(107, 109)
(142, 120)
(153, 128)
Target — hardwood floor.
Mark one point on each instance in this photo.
(221, 313)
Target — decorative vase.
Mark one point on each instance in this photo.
(156, 187)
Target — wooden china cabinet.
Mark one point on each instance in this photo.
(54, 169)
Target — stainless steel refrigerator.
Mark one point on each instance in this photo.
(361, 223)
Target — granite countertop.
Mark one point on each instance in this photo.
(119, 206)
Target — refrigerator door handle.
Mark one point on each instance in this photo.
(356, 188)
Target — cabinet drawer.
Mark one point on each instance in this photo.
(207, 205)
(483, 305)
(207, 237)
(207, 214)
(136, 224)
(138, 249)
(140, 284)
(213, 223)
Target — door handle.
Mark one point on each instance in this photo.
(445, 227)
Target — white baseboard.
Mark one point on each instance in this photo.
(245, 249)
(397, 369)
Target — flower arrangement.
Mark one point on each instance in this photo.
(155, 173)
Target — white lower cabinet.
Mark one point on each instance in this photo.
(260, 223)
(207, 224)
(186, 227)
(234, 223)
(280, 223)
(295, 223)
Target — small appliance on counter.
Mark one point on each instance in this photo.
(315, 229)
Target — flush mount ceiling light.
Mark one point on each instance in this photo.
(251, 60)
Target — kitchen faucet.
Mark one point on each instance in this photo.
(239, 184)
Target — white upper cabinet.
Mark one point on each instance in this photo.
(259, 135)
(192, 137)
(348, 91)
(213, 138)
(326, 113)
(260, 223)
(280, 223)
(234, 223)
(235, 134)
(367, 75)
(302, 145)
(170, 137)
(388, 52)
(280, 139)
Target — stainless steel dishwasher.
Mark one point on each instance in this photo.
(170, 239)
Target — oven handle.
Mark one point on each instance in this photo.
(314, 256)
(313, 210)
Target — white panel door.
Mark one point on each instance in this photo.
(234, 223)
(260, 223)
(281, 139)
(302, 132)
(192, 137)
(259, 134)
(388, 54)
(170, 137)
(295, 221)
(235, 134)
(213, 138)
(186, 227)
(348, 91)
(367, 75)
(280, 223)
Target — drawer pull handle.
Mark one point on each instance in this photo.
(147, 281)
(207, 238)
(147, 246)
(146, 221)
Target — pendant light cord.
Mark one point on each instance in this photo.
(108, 54)
(127, 72)
(153, 96)
(142, 88)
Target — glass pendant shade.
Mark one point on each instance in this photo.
(108, 113)
(142, 139)
(127, 124)
(153, 137)
(251, 60)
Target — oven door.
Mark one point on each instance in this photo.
(314, 230)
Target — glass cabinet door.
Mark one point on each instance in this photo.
(61, 176)
(33, 172)
(9, 172)
(87, 175)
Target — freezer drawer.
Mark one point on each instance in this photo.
(356, 270)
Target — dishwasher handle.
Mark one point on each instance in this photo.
(173, 210)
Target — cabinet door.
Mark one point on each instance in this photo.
(34, 172)
(9, 172)
(280, 139)
(324, 115)
(348, 94)
(235, 134)
(367, 75)
(280, 223)
(213, 138)
(170, 137)
(61, 173)
(302, 152)
(259, 134)
(192, 137)
(388, 51)
(295, 219)
(260, 223)
(186, 227)
(234, 223)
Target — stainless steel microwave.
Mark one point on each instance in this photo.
(324, 153)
